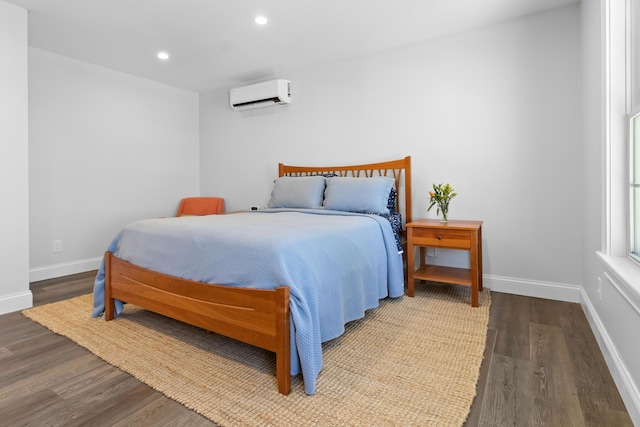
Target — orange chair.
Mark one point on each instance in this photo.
(200, 206)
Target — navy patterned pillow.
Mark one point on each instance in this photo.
(391, 203)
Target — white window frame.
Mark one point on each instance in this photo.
(633, 240)
(616, 207)
(632, 89)
(615, 249)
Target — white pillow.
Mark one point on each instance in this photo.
(298, 192)
(358, 194)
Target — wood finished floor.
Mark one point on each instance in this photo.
(542, 367)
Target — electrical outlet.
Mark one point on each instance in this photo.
(432, 251)
(57, 246)
(599, 289)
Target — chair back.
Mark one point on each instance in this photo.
(200, 206)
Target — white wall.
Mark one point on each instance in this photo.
(14, 164)
(105, 149)
(494, 111)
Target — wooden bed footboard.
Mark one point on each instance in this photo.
(254, 316)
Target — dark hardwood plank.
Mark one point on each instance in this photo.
(61, 288)
(542, 366)
(20, 412)
(36, 356)
(510, 317)
(554, 399)
(505, 402)
(19, 330)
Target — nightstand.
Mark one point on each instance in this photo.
(454, 234)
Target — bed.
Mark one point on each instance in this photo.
(263, 314)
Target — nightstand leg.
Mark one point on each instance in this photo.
(475, 276)
(410, 264)
(480, 259)
(474, 294)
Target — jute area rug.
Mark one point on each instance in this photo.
(411, 361)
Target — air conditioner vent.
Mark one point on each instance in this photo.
(265, 94)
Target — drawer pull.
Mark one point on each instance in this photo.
(439, 237)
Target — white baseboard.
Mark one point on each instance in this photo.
(533, 288)
(16, 302)
(65, 269)
(626, 386)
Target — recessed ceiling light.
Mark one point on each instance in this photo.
(163, 55)
(261, 20)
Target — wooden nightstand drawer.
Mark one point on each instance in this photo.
(454, 239)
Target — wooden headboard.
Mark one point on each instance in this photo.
(400, 170)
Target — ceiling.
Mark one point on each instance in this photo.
(215, 43)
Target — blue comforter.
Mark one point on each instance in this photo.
(336, 264)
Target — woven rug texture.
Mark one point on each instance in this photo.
(409, 362)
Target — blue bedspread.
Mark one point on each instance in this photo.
(336, 264)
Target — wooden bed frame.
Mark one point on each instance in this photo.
(254, 316)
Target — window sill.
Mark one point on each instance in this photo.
(626, 277)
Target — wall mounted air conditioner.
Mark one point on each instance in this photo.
(258, 95)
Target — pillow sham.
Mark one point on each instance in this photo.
(303, 192)
(358, 194)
